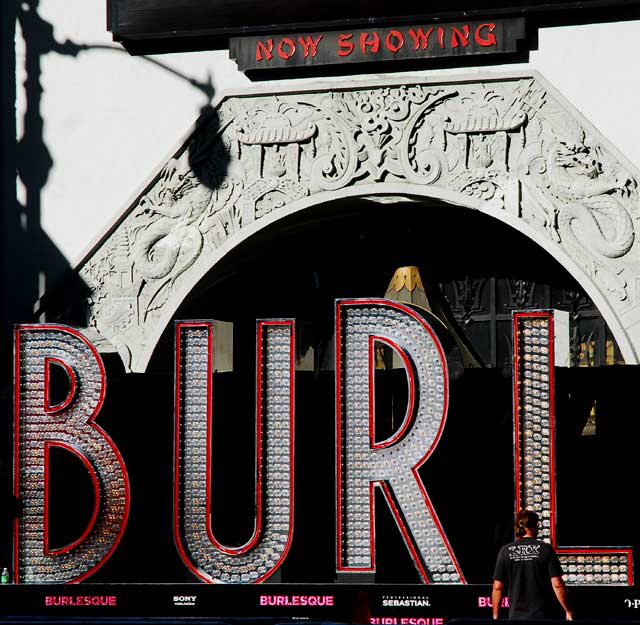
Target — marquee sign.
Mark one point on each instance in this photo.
(365, 462)
(423, 41)
(259, 557)
(534, 434)
(39, 426)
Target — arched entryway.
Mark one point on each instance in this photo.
(296, 267)
(509, 147)
(277, 203)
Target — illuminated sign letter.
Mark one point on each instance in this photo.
(263, 553)
(363, 462)
(534, 430)
(69, 425)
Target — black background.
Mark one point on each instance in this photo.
(297, 268)
(146, 26)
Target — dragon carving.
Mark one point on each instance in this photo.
(590, 198)
(174, 241)
(177, 213)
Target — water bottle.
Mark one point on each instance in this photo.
(4, 576)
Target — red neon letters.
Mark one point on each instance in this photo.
(534, 429)
(263, 553)
(362, 462)
(68, 425)
(373, 43)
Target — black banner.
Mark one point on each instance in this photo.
(418, 41)
(170, 25)
(344, 603)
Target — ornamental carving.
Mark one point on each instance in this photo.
(509, 147)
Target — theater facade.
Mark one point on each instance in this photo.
(339, 336)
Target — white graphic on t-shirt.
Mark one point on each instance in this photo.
(522, 553)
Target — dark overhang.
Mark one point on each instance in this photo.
(156, 26)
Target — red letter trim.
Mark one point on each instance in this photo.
(96, 497)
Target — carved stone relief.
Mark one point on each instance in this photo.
(508, 147)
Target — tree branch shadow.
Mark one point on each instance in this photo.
(32, 264)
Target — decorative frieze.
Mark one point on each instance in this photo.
(509, 147)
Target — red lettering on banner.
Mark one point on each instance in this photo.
(373, 43)
(460, 37)
(398, 36)
(309, 45)
(489, 39)
(346, 45)
(297, 600)
(285, 41)
(264, 51)
(485, 602)
(420, 38)
(405, 620)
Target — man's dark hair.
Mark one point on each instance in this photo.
(526, 519)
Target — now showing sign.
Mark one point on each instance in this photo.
(406, 42)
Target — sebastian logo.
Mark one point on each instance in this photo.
(405, 601)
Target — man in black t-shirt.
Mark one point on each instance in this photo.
(530, 570)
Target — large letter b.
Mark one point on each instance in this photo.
(39, 426)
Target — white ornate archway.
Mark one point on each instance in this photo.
(508, 146)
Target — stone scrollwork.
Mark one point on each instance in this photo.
(272, 140)
(424, 142)
(481, 184)
(169, 226)
(380, 135)
(506, 146)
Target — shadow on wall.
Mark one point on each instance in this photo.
(31, 263)
(34, 261)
